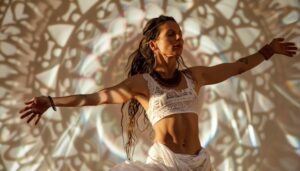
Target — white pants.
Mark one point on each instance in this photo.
(161, 158)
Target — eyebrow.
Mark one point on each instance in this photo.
(174, 31)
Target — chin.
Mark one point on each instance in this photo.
(178, 54)
(174, 56)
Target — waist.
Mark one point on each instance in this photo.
(179, 132)
(190, 148)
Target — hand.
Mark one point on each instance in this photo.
(284, 48)
(35, 107)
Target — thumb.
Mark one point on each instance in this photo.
(280, 39)
(29, 101)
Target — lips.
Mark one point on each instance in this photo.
(177, 46)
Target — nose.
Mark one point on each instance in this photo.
(178, 36)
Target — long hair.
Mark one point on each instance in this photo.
(142, 61)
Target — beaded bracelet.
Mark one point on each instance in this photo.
(52, 103)
(266, 51)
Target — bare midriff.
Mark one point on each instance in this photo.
(179, 132)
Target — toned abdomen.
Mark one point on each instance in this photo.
(179, 132)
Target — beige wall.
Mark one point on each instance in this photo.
(52, 47)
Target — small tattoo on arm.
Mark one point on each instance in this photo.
(244, 60)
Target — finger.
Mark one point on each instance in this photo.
(35, 100)
(26, 114)
(289, 44)
(39, 117)
(292, 47)
(291, 51)
(280, 39)
(25, 108)
(29, 101)
(22, 110)
(30, 118)
(288, 54)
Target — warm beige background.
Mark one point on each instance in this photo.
(55, 47)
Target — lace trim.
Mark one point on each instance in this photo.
(160, 110)
(165, 102)
(156, 88)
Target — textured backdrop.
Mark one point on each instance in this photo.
(57, 48)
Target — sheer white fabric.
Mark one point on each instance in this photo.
(161, 158)
(164, 102)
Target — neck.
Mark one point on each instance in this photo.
(166, 66)
(168, 82)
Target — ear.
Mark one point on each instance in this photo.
(153, 45)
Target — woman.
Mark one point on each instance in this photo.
(166, 94)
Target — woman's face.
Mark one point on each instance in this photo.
(169, 43)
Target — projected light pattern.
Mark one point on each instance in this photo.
(58, 48)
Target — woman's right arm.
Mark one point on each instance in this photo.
(119, 93)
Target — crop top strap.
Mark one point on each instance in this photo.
(151, 82)
(152, 85)
(189, 82)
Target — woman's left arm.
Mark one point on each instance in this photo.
(221, 72)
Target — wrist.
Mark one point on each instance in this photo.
(266, 51)
(52, 103)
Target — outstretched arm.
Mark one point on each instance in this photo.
(221, 72)
(120, 93)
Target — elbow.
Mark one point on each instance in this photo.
(238, 68)
(241, 70)
(93, 99)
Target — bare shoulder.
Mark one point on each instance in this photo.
(137, 79)
(197, 69)
(137, 84)
(196, 73)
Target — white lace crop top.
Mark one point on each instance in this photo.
(164, 102)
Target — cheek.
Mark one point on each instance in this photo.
(168, 44)
(165, 46)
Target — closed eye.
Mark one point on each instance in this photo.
(173, 33)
